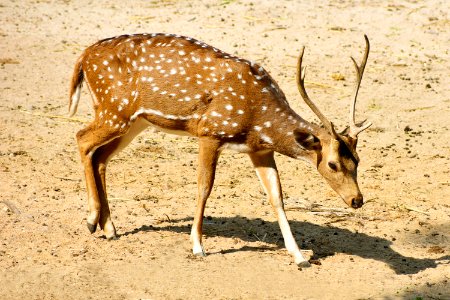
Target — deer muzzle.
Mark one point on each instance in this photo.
(355, 202)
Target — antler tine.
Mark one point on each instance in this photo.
(354, 128)
(301, 71)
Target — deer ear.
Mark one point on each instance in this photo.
(307, 140)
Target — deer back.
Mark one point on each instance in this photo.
(179, 83)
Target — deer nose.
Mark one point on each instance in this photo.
(357, 202)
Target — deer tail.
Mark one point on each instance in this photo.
(75, 86)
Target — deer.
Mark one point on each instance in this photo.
(180, 85)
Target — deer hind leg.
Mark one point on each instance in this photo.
(266, 170)
(101, 158)
(89, 140)
(207, 161)
(97, 143)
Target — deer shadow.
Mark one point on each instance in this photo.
(323, 240)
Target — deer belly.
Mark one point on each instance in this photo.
(171, 127)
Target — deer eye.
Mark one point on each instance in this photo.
(333, 166)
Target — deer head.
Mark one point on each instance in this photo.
(335, 156)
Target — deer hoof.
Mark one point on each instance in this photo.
(303, 264)
(112, 237)
(199, 252)
(92, 227)
(109, 230)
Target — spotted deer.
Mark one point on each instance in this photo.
(181, 85)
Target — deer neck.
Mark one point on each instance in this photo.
(275, 131)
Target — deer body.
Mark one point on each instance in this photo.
(181, 85)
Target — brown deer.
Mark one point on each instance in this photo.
(181, 85)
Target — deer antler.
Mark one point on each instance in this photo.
(355, 129)
(301, 87)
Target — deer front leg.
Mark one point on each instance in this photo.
(207, 161)
(266, 170)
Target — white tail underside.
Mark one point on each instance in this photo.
(75, 100)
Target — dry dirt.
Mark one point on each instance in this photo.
(395, 247)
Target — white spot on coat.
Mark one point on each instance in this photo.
(266, 139)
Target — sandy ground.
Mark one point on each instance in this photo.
(395, 247)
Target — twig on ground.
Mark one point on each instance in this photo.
(416, 210)
(330, 213)
(276, 28)
(320, 210)
(67, 178)
(120, 199)
(141, 18)
(11, 206)
(337, 219)
(167, 216)
(415, 10)
(308, 208)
